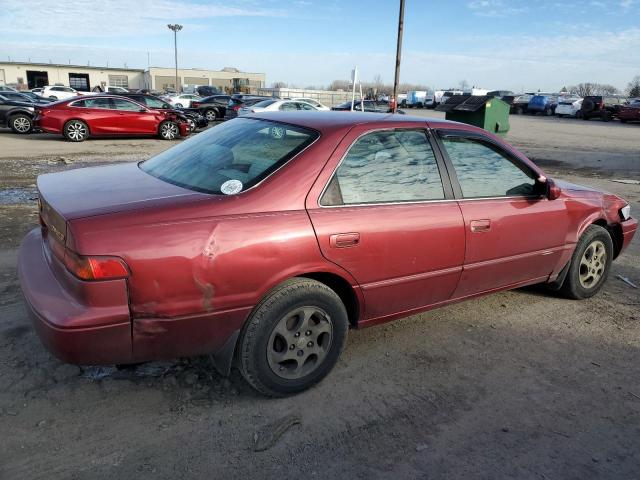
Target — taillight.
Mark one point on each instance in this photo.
(235, 108)
(95, 267)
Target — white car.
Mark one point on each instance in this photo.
(183, 100)
(58, 92)
(310, 101)
(569, 106)
(274, 105)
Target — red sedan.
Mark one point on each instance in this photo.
(262, 240)
(629, 113)
(93, 115)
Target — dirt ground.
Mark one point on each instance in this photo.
(521, 384)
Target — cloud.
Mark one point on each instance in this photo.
(114, 18)
(496, 8)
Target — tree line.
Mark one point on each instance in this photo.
(378, 87)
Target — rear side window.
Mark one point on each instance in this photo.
(92, 103)
(483, 171)
(231, 157)
(386, 166)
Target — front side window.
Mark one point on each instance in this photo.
(154, 102)
(121, 104)
(289, 106)
(230, 157)
(386, 167)
(483, 171)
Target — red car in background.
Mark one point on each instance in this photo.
(95, 116)
(629, 113)
(263, 239)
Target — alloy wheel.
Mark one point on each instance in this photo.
(76, 131)
(592, 264)
(300, 342)
(169, 130)
(211, 115)
(22, 124)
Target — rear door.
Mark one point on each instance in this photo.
(383, 209)
(98, 113)
(513, 233)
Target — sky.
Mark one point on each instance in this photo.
(494, 44)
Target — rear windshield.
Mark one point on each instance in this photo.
(231, 157)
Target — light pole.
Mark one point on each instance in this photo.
(176, 28)
(398, 56)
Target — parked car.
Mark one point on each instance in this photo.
(264, 239)
(311, 101)
(192, 117)
(5, 88)
(375, 106)
(601, 106)
(237, 101)
(275, 105)
(629, 113)
(569, 106)
(107, 115)
(212, 108)
(544, 103)
(207, 91)
(37, 91)
(520, 103)
(183, 100)
(25, 97)
(500, 93)
(108, 89)
(16, 114)
(58, 92)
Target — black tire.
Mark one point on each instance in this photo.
(192, 125)
(178, 105)
(588, 105)
(257, 338)
(606, 116)
(548, 111)
(21, 124)
(75, 131)
(573, 287)
(211, 115)
(579, 114)
(622, 120)
(169, 130)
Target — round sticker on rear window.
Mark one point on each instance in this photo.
(231, 187)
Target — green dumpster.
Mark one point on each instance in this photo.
(486, 112)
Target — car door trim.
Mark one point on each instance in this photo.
(519, 256)
(410, 278)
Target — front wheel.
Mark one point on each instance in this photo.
(590, 264)
(76, 131)
(21, 123)
(169, 130)
(293, 338)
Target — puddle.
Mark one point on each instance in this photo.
(18, 195)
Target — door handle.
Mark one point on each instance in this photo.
(479, 226)
(344, 240)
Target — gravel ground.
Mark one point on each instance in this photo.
(521, 384)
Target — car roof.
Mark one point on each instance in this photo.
(326, 121)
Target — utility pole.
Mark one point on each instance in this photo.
(176, 28)
(398, 56)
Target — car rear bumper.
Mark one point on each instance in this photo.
(79, 322)
(629, 228)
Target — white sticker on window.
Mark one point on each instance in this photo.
(231, 187)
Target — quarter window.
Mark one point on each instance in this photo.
(386, 166)
(483, 171)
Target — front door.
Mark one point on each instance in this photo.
(383, 212)
(132, 118)
(514, 234)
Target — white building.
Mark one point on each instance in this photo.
(25, 76)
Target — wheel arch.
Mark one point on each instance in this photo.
(346, 292)
(615, 232)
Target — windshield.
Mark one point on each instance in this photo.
(231, 157)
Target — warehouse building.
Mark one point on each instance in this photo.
(26, 76)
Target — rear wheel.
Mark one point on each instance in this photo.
(293, 338)
(168, 130)
(76, 131)
(192, 124)
(590, 264)
(21, 123)
(179, 105)
(579, 114)
(211, 115)
(548, 112)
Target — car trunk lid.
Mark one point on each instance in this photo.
(93, 191)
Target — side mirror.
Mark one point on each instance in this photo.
(553, 191)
